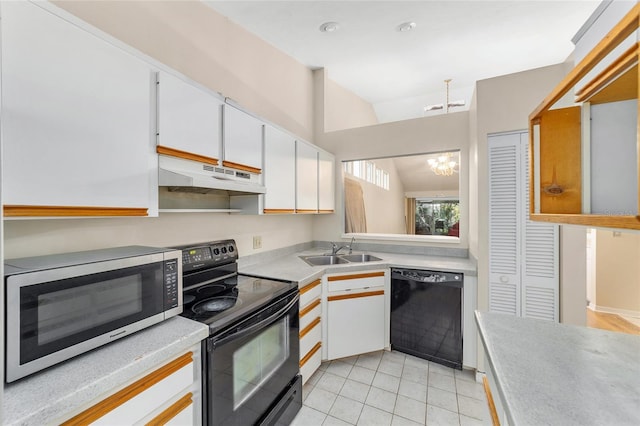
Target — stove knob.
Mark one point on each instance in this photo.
(231, 249)
(223, 250)
(216, 251)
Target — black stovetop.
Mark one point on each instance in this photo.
(223, 303)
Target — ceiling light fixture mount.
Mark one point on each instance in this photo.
(449, 104)
(406, 26)
(329, 27)
(444, 165)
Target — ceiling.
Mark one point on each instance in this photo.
(400, 73)
(416, 176)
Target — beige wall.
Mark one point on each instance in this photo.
(618, 272)
(499, 104)
(345, 110)
(573, 275)
(205, 46)
(385, 208)
(440, 133)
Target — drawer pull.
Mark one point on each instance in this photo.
(356, 295)
(356, 276)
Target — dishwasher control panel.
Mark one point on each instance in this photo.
(426, 276)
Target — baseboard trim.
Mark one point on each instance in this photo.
(608, 310)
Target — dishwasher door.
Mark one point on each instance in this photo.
(426, 315)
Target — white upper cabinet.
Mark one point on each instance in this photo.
(279, 171)
(326, 182)
(189, 119)
(76, 120)
(242, 136)
(306, 178)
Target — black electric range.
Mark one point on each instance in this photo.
(252, 322)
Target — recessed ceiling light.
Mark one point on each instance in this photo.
(329, 27)
(406, 26)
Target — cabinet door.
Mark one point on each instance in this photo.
(306, 178)
(189, 119)
(242, 136)
(326, 182)
(76, 123)
(356, 324)
(279, 171)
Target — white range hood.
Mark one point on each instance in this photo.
(180, 175)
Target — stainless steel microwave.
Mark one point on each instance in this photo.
(60, 306)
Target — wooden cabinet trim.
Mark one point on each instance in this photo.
(311, 353)
(356, 295)
(172, 152)
(617, 68)
(306, 211)
(114, 401)
(310, 286)
(625, 222)
(326, 211)
(355, 276)
(495, 420)
(278, 211)
(308, 328)
(242, 167)
(304, 311)
(619, 33)
(175, 409)
(11, 210)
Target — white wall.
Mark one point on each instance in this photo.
(445, 132)
(345, 110)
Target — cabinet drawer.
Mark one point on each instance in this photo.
(309, 292)
(310, 313)
(310, 362)
(310, 336)
(132, 403)
(355, 281)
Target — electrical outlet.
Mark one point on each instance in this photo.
(257, 242)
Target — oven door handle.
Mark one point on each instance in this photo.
(265, 322)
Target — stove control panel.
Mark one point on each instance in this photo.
(209, 254)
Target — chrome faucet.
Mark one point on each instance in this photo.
(335, 249)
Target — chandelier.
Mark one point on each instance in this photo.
(444, 165)
(449, 104)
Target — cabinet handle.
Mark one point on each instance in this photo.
(172, 152)
(356, 295)
(175, 409)
(504, 279)
(309, 286)
(356, 276)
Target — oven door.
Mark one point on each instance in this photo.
(250, 367)
(53, 315)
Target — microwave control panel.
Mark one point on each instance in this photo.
(171, 284)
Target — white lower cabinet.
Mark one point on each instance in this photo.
(310, 328)
(357, 313)
(170, 394)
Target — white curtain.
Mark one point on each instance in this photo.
(354, 210)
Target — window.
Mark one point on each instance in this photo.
(368, 172)
(437, 217)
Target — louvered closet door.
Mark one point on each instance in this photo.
(540, 274)
(523, 257)
(505, 189)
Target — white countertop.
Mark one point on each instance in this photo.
(52, 395)
(291, 268)
(558, 374)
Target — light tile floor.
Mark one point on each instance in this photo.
(393, 389)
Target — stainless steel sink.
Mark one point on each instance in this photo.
(333, 259)
(323, 260)
(360, 258)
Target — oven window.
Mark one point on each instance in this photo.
(257, 360)
(66, 312)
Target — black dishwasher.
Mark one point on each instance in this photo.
(426, 315)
